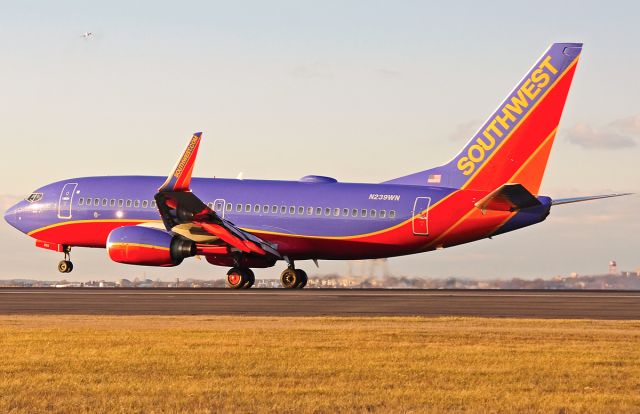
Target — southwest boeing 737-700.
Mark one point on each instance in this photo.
(491, 187)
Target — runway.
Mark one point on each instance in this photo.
(323, 302)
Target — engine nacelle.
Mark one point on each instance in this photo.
(147, 246)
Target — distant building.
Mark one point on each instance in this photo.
(613, 267)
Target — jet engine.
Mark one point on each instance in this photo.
(147, 246)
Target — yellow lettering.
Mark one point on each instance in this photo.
(507, 115)
(466, 166)
(546, 63)
(480, 152)
(492, 127)
(517, 103)
(486, 146)
(530, 89)
(540, 78)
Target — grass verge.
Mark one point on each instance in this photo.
(276, 364)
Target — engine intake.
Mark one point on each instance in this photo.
(147, 246)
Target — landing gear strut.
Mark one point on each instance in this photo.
(292, 278)
(65, 266)
(240, 278)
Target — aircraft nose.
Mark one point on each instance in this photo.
(10, 215)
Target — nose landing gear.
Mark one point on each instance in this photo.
(65, 266)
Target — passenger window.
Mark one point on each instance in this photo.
(292, 210)
(238, 208)
(383, 213)
(129, 203)
(300, 210)
(81, 201)
(247, 208)
(228, 207)
(372, 213)
(283, 209)
(145, 203)
(265, 209)
(309, 211)
(327, 211)
(120, 203)
(153, 203)
(354, 212)
(336, 211)
(88, 201)
(345, 212)
(256, 208)
(363, 212)
(392, 214)
(96, 202)
(318, 211)
(104, 202)
(210, 205)
(136, 204)
(112, 202)
(274, 209)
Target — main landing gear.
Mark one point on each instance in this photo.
(292, 278)
(240, 278)
(65, 266)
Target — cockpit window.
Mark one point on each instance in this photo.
(34, 197)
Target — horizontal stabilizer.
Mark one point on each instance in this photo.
(587, 198)
(509, 197)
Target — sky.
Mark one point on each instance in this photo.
(363, 91)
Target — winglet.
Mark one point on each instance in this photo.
(180, 178)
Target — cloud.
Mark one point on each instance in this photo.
(313, 70)
(586, 136)
(388, 73)
(465, 130)
(630, 125)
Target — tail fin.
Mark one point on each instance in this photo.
(180, 177)
(513, 145)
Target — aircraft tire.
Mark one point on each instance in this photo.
(65, 266)
(302, 279)
(236, 278)
(251, 278)
(289, 278)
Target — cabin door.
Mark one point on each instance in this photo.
(66, 200)
(219, 207)
(420, 216)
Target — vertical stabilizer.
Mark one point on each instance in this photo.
(513, 145)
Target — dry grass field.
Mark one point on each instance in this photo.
(272, 364)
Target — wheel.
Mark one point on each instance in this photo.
(289, 278)
(302, 278)
(251, 278)
(236, 278)
(65, 266)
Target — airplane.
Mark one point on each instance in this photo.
(87, 35)
(489, 188)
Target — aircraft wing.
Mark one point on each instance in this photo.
(184, 213)
(587, 198)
